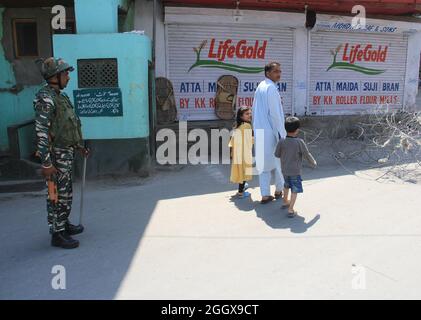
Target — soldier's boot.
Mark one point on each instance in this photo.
(63, 240)
(72, 229)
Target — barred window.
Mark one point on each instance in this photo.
(97, 73)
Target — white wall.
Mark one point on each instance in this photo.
(413, 67)
(143, 21)
(300, 77)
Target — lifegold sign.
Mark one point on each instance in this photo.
(239, 50)
(199, 55)
(364, 53)
(353, 54)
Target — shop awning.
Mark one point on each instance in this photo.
(373, 7)
(34, 3)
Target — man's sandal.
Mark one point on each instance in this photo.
(278, 195)
(292, 214)
(269, 199)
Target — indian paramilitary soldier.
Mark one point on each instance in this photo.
(59, 135)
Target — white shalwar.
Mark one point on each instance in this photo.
(269, 127)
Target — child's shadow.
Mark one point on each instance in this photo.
(277, 218)
(273, 215)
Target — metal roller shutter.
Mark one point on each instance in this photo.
(376, 75)
(197, 86)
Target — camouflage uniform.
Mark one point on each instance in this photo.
(55, 151)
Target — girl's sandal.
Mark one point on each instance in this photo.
(243, 195)
(292, 214)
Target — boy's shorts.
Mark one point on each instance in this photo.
(294, 183)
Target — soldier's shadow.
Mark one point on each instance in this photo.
(277, 218)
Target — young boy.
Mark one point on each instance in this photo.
(291, 150)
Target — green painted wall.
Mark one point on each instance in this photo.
(133, 51)
(14, 108)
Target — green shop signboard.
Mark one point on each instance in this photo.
(98, 102)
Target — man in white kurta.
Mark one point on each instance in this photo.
(269, 127)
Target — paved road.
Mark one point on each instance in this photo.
(179, 234)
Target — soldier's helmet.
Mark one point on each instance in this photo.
(52, 66)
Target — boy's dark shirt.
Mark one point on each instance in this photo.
(292, 150)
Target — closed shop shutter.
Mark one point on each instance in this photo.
(196, 58)
(352, 73)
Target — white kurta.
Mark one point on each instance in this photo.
(268, 124)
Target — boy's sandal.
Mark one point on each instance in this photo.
(269, 199)
(292, 214)
(278, 195)
(285, 206)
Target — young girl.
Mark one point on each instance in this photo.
(242, 143)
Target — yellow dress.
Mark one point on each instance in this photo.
(241, 144)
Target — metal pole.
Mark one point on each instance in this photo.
(82, 188)
(152, 99)
(154, 35)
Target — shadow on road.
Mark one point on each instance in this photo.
(116, 219)
(277, 218)
(273, 215)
